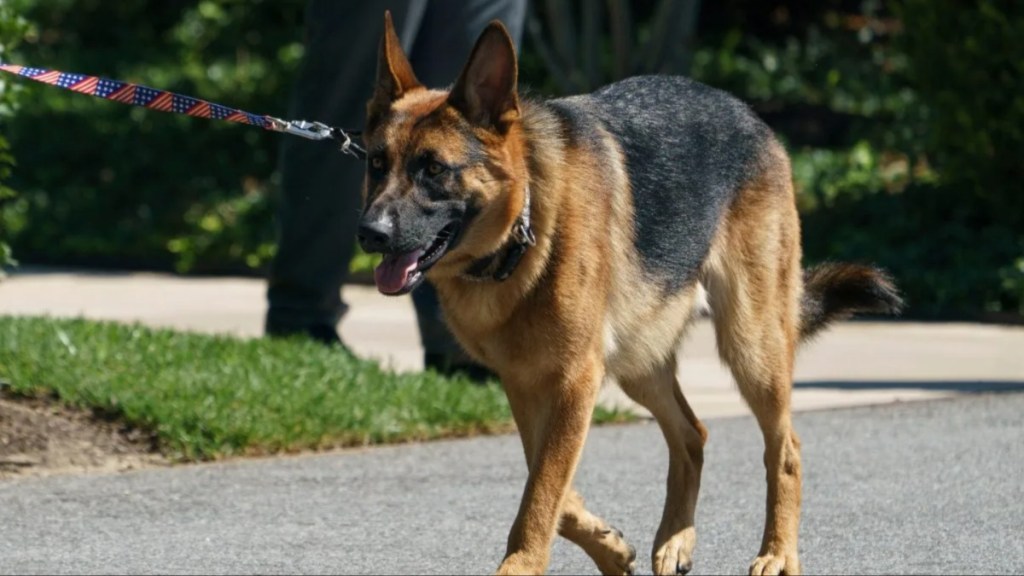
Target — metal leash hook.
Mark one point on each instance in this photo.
(317, 131)
(310, 130)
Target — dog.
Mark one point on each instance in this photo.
(570, 239)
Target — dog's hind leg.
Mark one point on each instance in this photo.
(659, 392)
(754, 285)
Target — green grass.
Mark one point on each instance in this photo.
(205, 397)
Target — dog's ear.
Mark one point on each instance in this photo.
(394, 73)
(485, 92)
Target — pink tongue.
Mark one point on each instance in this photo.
(393, 272)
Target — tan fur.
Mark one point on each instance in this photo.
(578, 309)
(755, 284)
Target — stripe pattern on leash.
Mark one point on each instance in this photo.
(137, 95)
(164, 101)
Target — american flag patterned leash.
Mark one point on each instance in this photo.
(164, 101)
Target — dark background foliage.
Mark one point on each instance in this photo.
(904, 119)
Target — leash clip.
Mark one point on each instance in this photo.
(318, 131)
(310, 130)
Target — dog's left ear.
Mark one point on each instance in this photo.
(485, 92)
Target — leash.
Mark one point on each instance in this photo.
(164, 101)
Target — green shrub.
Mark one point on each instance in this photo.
(6, 195)
(925, 179)
(955, 237)
(946, 254)
(968, 70)
(109, 184)
(12, 27)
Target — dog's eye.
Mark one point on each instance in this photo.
(377, 163)
(435, 168)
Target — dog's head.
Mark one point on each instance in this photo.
(445, 169)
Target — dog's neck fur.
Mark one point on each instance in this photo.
(537, 122)
(499, 265)
(541, 133)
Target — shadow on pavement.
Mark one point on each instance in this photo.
(969, 386)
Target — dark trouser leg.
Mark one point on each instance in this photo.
(319, 202)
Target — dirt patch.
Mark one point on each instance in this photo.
(41, 438)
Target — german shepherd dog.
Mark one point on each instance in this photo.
(570, 240)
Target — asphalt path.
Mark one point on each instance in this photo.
(922, 487)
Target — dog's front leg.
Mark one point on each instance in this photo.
(560, 410)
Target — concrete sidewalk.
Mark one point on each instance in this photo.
(855, 363)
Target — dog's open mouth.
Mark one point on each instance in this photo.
(400, 273)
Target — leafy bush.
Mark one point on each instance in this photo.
(968, 69)
(905, 122)
(12, 26)
(6, 195)
(108, 184)
(955, 237)
(948, 257)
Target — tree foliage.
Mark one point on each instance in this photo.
(103, 183)
(12, 28)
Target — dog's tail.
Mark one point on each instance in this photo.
(837, 291)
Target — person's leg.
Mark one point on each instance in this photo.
(447, 33)
(320, 199)
(449, 30)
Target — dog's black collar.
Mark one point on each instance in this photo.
(500, 265)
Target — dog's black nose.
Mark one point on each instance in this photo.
(375, 235)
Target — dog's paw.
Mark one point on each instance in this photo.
(674, 556)
(615, 555)
(772, 564)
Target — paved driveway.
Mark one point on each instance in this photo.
(922, 487)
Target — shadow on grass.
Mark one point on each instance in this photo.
(966, 386)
